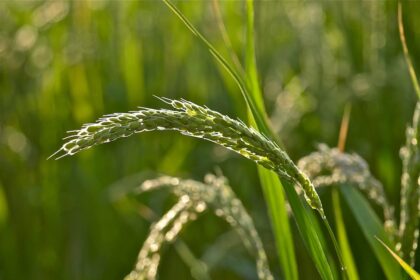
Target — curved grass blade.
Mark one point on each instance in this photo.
(276, 201)
(407, 58)
(251, 60)
(310, 231)
(305, 224)
(407, 268)
(371, 226)
(342, 238)
(225, 36)
(261, 122)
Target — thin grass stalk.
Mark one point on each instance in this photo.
(342, 238)
(407, 58)
(198, 268)
(251, 60)
(225, 36)
(261, 122)
(339, 220)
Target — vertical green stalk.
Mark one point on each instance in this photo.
(276, 201)
(372, 228)
(310, 232)
(250, 59)
(250, 89)
(271, 184)
(304, 220)
(342, 238)
(407, 58)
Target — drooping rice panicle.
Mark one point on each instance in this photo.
(410, 192)
(164, 231)
(196, 121)
(330, 166)
(216, 194)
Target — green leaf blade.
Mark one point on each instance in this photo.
(342, 238)
(407, 268)
(371, 226)
(304, 219)
(309, 230)
(274, 195)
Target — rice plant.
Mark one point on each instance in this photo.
(326, 167)
(258, 143)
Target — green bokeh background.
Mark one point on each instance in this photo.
(63, 64)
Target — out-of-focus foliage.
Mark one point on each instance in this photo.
(66, 63)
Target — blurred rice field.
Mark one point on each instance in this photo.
(65, 63)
